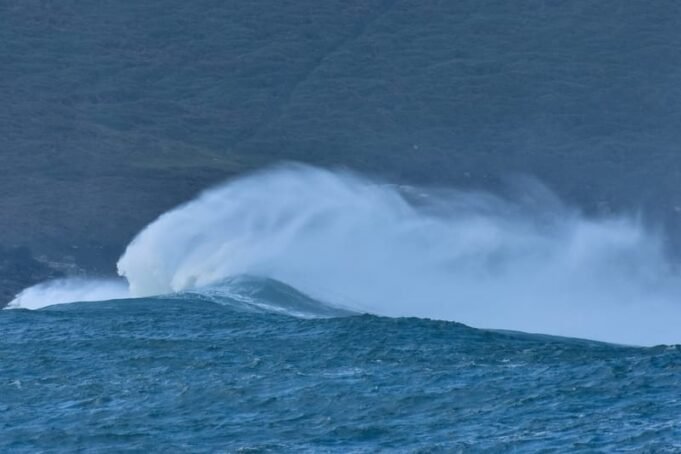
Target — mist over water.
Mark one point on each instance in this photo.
(63, 291)
(527, 263)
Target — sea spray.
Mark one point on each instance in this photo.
(525, 263)
(61, 291)
(462, 256)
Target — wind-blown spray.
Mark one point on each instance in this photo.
(468, 257)
(63, 291)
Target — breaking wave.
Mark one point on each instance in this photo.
(62, 291)
(524, 263)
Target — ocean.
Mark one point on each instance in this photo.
(307, 310)
(198, 374)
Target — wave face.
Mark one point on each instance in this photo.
(253, 294)
(531, 264)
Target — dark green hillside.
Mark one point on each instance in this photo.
(112, 111)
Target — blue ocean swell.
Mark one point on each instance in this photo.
(185, 373)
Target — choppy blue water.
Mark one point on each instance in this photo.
(218, 373)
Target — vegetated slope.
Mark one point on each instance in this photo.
(113, 111)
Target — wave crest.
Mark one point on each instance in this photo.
(533, 265)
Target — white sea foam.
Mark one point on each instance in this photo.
(532, 265)
(63, 291)
(527, 263)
